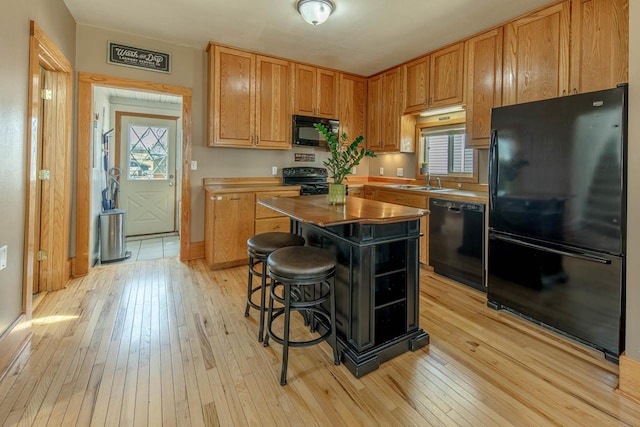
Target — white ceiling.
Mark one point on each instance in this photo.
(361, 36)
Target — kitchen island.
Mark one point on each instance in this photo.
(377, 272)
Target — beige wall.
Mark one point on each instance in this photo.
(188, 68)
(54, 19)
(633, 231)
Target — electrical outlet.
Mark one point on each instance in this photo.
(381, 171)
(3, 257)
(400, 172)
(194, 165)
(274, 170)
(353, 170)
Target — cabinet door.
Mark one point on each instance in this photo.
(233, 220)
(234, 97)
(536, 59)
(327, 94)
(484, 85)
(447, 76)
(390, 114)
(416, 85)
(305, 96)
(374, 112)
(273, 113)
(353, 101)
(600, 44)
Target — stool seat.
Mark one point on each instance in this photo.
(265, 243)
(301, 263)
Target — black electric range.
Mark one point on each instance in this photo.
(311, 180)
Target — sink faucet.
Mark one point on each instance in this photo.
(439, 182)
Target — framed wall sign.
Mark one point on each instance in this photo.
(129, 56)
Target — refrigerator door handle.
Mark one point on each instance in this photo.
(577, 255)
(493, 168)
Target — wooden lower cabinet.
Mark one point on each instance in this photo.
(268, 220)
(229, 222)
(405, 198)
(230, 219)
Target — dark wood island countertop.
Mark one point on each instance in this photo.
(317, 210)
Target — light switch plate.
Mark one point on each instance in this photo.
(381, 171)
(3, 257)
(194, 165)
(400, 172)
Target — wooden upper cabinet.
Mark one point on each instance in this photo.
(536, 57)
(484, 85)
(600, 44)
(435, 80)
(391, 86)
(249, 100)
(374, 112)
(447, 76)
(273, 117)
(316, 92)
(233, 85)
(388, 129)
(353, 105)
(416, 80)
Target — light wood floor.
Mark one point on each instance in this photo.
(165, 343)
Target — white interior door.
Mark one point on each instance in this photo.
(147, 182)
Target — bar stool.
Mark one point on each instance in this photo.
(259, 247)
(294, 271)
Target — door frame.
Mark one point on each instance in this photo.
(44, 53)
(116, 158)
(86, 83)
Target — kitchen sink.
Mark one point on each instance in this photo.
(422, 188)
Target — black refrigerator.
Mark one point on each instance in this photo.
(557, 215)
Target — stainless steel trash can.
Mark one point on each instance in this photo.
(112, 244)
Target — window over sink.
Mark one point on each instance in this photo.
(442, 147)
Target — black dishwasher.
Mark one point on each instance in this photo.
(456, 241)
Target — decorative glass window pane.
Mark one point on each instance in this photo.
(148, 152)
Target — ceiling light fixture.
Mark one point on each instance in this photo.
(315, 12)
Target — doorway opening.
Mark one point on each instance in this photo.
(88, 180)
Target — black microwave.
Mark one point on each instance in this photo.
(304, 133)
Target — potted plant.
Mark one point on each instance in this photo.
(344, 156)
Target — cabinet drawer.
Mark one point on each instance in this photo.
(261, 211)
(267, 225)
(402, 198)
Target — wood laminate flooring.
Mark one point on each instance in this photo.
(166, 343)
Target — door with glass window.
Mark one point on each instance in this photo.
(148, 173)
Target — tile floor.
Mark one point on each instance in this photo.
(152, 247)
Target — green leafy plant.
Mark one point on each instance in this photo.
(344, 155)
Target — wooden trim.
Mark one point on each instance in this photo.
(12, 341)
(51, 56)
(196, 251)
(86, 82)
(629, 379)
